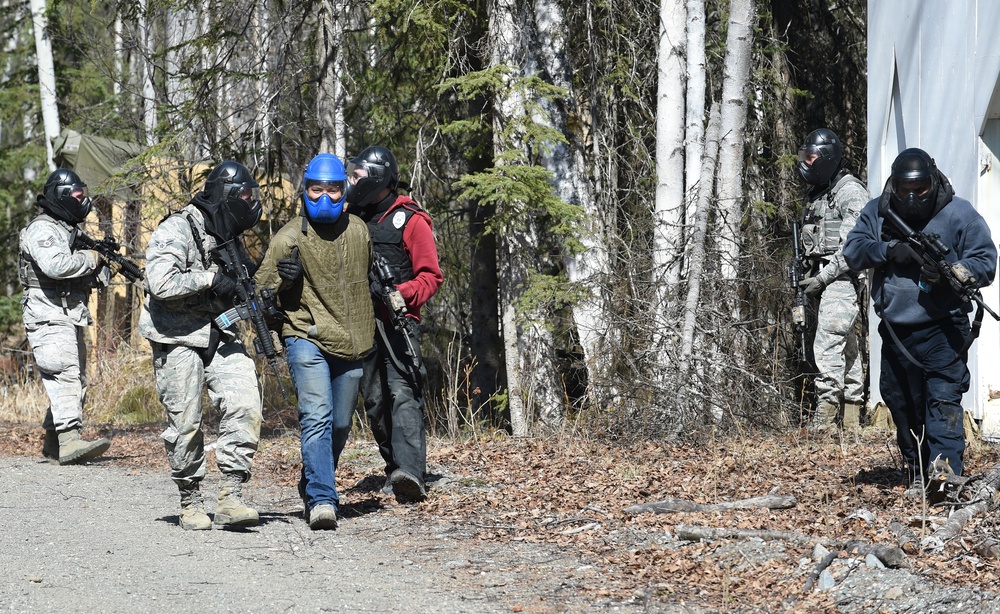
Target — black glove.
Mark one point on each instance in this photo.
(901, 253)
(223, 285)
(812, 287)
(289, 268)
(930, 273)
(376, 290)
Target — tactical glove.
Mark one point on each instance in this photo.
(289, 268)
(901, 253)
(223, 285)
(812, 286)
(930, 273)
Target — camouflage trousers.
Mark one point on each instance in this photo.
(61, 357)
(231, 379)
(839, 374)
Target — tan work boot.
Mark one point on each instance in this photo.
(73, 449)
(50, 448)
(824, 418)
(193, 516)
(852, 417)
(231, 511)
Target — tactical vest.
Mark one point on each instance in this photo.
(31, 276)
(387, 240)
(821, 222)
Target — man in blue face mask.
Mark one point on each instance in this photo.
(317, 264)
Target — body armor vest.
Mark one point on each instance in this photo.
(31, 276)
(387, 240)
(821, 221)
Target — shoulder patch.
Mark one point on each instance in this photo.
(399, 219)
(48, 241)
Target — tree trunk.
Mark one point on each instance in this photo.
(330, 98)
(703, 190)
(572, 184)
(532, 379)
(694, 124)
(46, 77)
(732, 130)
(148, 91)
(668, 213)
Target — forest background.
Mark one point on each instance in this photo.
(612, 183)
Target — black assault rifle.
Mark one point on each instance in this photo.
(381, 277)
(108, 249)
(933, 252)
(249, 306)
(796, 273)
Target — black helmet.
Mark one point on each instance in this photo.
(65, 196)
(381, 171)
(914, 184)
(826, 152)
(231, 200)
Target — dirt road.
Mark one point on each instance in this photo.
(102, 538)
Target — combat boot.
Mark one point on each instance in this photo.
(852, 417)
(231, 511)
(73, 449)
(824, 418)
(50, 448)
(193, 516)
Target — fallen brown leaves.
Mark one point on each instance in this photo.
(570, 493)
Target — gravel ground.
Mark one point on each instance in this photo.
(102, 538)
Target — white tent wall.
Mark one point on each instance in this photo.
(934, 83)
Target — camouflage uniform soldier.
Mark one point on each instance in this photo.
(57, 282)
(186, 289)
(833, 203)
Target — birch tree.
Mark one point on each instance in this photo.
(668, 212)
(694, 124)
(732, 132)
(528, 343)
(147, 46)
(46, 77)
(330, 98)
(572, 183)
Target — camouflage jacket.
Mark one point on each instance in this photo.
(827, 219)
(179, 305)
(57, 280)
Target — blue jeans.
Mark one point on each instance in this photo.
(327, 391)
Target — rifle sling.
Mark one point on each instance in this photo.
(977, 323)
(401, 363)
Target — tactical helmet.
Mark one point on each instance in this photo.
(328, 171)
(381, 171)
(914, 184)
(235, 192)
(65, 196)
(829, 151)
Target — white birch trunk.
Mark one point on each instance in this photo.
(668, 211)
(148, 92)
(46, 78)
(183, 28)
(572, 184)
(694, 130)
(732, 130)
(330, 100)
(531, 373)
(703, 191)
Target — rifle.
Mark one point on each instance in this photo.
(795, 275)
(381, 277)
(933, 252)
(108, 249)
(249, 306)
